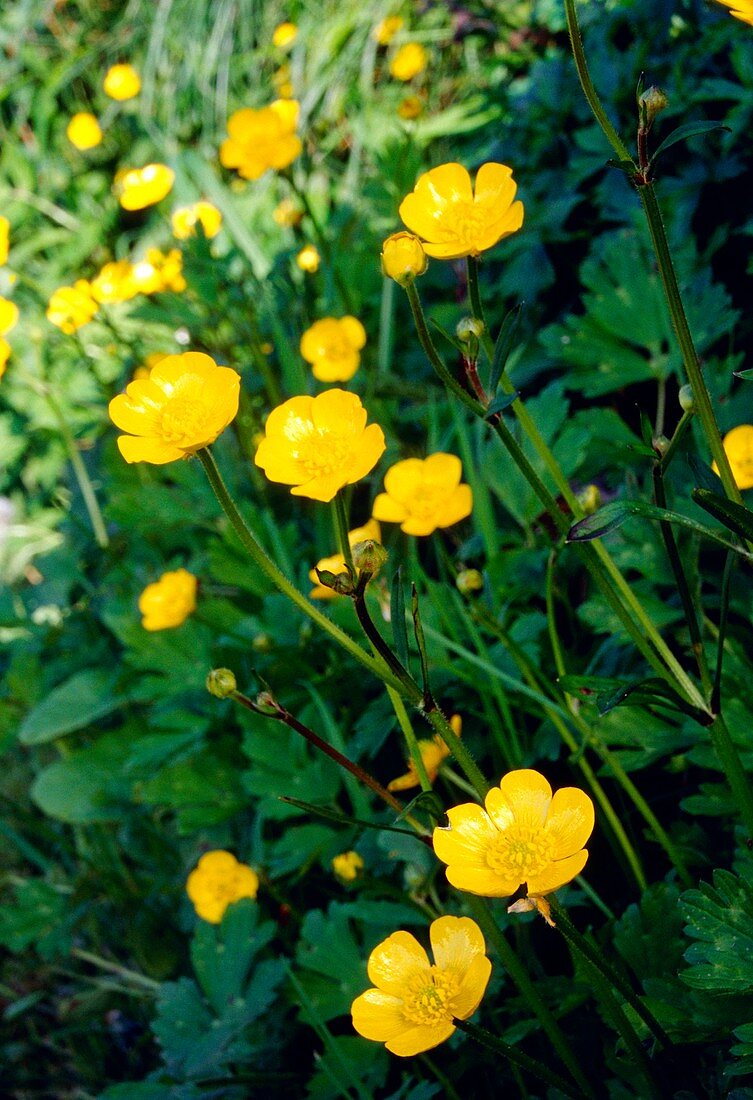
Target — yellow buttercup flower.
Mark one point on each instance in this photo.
(386, 30)
(84, 131)
(217, 881)
(452, 220)
(205, 214)
(347, 866)
(332, 347)
(738, 446)
(262, 139)
(423, 494)
(308, 259)
(8, 316)
(184, 404)
(284, 35)
(4, 239)
(403, 258)
(409, 61)
(433, 753)
(525, 837)
(410, 107)
(319, 444)
(286, 214)
(114, 283)
(414, 1005)
(138, 188)
(122, 82)
(145, 368)
(5, 350)
(159, 271)
(741, 9)
(169, 601)
(336, 563)
(72, 307)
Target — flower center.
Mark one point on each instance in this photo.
(519, 853)
(428, 501)
(463, 222)
(183, 421)
(322, 454)
(427, 999)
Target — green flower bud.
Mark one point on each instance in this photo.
(221, 683)
(469, 580)
(686, 398)
(369, 556)
(470, 328)
(650, 103)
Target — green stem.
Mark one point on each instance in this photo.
(517, 1057)
(410, 739)
(278, 578)
(732, 765)
(512, 964)
(341, 525)
(115, 968)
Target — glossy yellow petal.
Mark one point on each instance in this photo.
(378, 1016)
(278, 463)
(395, 961)
(287, 111)
(134, 449)
(419, 1038)
(339, 411)
(469, 996)
(354, 331)
(468, 837)
(570, 821)
(285, 150)
(481, 880)
(449, 250)
(557, 874)
(419, 525)
(8, 316)
(370, 530)
(458, 506)
(340, 369)
(422, 210)
(371, 446)
(456, 942)
(386, 508)
(500, 228)
(523, 796)
(494, 185)
(442, 470)
(133, 416)
(324, 487)
(404, 480)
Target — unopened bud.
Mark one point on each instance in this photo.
(262, 643)
(469, 580)
(403, 258)
(686, 398)
(661, 445)
(589, 499)
(266, 701)
(340, 583)
(221, 683)
(650, 103)
(470, 328)
(369, 556)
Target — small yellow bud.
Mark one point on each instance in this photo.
(308, 259)
(221, 683)
(469, 580)
(403, 258)
(369, 556)
(589, 499)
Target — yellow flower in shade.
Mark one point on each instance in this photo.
(386, 30)
(138, 188)
(205, 214)
(414, 1005)
(8, 316)
(403, 258)
(319, 444)
(122, 82)
(169, 601)
(524, 837)
(159, 271)
(336, 563)
(184, 404)
(332, 348)
(423, 494)
(451, 220)
(738, 446)
(347, 866)
(72, 307)
(284, 35)
(114, 283)
(433, 753)
(218, 880)
(4, 239)
(262, 139)
(741, 9)
(409, 61)
(5, 350)
(308, 259)
(84, 131)
(410, 107)
(286, 214)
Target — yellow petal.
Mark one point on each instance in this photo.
(148, 450)
(570, 821)
(278, 463)
(370, 448)
(443, 470)
(370, 530)
(494, 185)
(135, 418)
(323, 488)
(338, 411)
(451, 250)
(417, 1039)
(340, 369)
(378, 1016)
(419, 526)
(287, 111)
(480, 880)
(403, 481)
(354, 331)
(557, 874)
(458, 506)
(522, 796)
(434, 192)
(467, 839)
(456, 942)
(395, 961)
(501, 227)
(284, 151)
(469, 996)
(387, 509)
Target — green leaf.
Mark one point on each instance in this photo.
(87, 786)
(397, 618)
(222, 954)
(503, 346)
(720, 919)
(72, 705)
(36, 916)
(733, 516)
(746, 375)
(500, 402)
(686, 131)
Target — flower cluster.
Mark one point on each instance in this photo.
(347, 866)
(169, 601)
(217, 881)
(263, 139)
(205, 214)
(72, 307)
(138, 188)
